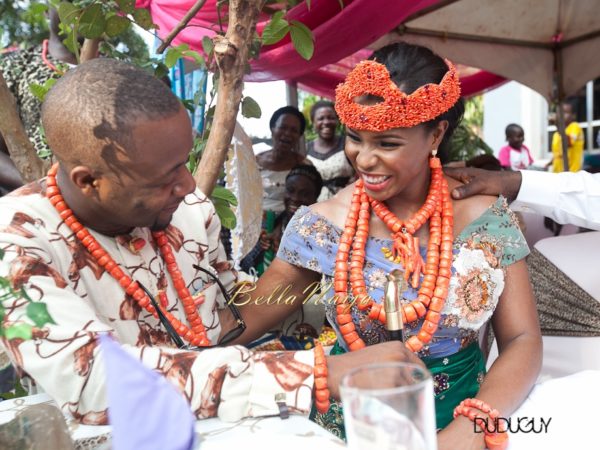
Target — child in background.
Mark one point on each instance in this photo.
(302, 187)
(574, 142)
(515, 155)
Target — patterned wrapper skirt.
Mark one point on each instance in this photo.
(455, 378)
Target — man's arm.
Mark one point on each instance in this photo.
(566, 197)
(65, 360)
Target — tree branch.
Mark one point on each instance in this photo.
(231, 55)
(180, 26)
(89, 49)
(21, 151)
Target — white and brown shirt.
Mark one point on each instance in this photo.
(43, 256)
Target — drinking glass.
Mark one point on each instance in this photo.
(389, 407)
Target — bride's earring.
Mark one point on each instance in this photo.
(434, 152)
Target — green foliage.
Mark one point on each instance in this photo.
(474, 112)
(143, 19)
(115, 25)
(182, 51)
(18, 391)
(250, 109)
(98, 19)
(466, 142)
(92, 22)
(225, 213)
(303, 39)
(127, 6)
(23, 24)
(36, 312)
(278, 28)
(207, 45)
(40, 90)
(224, 194)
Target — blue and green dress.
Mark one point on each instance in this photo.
(482, 252)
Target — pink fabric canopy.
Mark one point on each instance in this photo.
(341, 36)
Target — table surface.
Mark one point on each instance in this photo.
(568, 404)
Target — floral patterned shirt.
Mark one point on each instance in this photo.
(482, 251)
(43, 256)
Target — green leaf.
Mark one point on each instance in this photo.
(38, 8)
(127, 6)
(224, 194)
(19, 389)
(19, 331)
(182, 47)
(197, 57)
(115, 25)
(207, 45)
(303, 39)
(67, 12)
(142, 18)
(226, 215)
(276, 29)
(250, 109)
(38, 313)
(171, 57)
(92, 22)
(23, 293)
(161, 70)
(40, 90)
(1, 254)
(188, 104)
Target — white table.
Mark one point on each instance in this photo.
(571, 403)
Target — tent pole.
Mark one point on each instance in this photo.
(291, 91)
(589, 112)
(558, 97)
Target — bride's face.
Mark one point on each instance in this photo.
(389, 161)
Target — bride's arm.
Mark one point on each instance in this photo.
(514, 373)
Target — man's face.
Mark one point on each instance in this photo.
(147, 189)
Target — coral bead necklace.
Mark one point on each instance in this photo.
(436, 269)
(196, 333)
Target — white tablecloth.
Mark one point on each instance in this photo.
(570, 403)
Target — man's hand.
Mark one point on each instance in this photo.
(340, 365)
(485, 182)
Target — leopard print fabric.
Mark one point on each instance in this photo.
(20, 69)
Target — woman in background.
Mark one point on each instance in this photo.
(326, 152)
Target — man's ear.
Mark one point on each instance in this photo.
(83, 178)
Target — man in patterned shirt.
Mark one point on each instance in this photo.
(122, 140)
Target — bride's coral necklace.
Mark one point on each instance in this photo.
(436, 268)
(196, 335)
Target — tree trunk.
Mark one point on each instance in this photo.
(231, 55)
(21, 151)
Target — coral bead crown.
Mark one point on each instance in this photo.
(397, 110)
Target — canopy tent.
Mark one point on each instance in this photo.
(546, 45)
(364, 20)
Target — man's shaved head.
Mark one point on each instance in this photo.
(89, 114)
